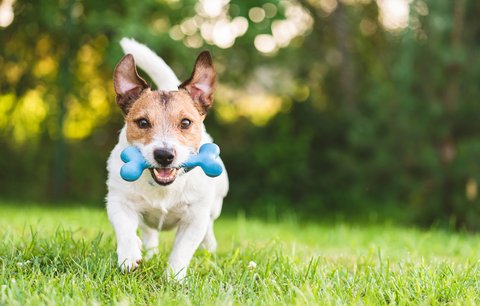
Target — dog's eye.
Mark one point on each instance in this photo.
(185, 124)
(143, 123)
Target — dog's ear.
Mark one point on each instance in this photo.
(128, 84)
(201, 84)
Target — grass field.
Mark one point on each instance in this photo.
(66, 256)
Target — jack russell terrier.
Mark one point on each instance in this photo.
(166, 125)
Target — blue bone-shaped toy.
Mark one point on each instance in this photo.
(134, 164)
(207, 159)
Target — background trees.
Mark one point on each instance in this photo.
(352, 107)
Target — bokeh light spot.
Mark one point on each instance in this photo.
(256, 14)
(265, 43)
(6, 13)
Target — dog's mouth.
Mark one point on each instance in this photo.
(163, 176)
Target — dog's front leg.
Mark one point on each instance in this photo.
(125, 224)
(190, 234)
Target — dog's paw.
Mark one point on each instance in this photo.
(149, 253)
(129, 264)
(178, 276)
(129, 257)
(209, 245)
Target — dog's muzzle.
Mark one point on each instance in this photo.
(165, 174)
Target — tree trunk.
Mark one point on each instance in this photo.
(59, 179)
(450, 104)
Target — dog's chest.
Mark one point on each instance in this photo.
(163, 208)
(165, 219)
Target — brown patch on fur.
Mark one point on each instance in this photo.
(164, 97)
(165, 110)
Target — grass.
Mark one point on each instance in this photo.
(66, 256)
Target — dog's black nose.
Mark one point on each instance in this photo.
(163, 157)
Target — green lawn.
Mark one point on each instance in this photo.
(66, 256)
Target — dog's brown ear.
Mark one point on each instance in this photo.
(201, 84)
(128, 84)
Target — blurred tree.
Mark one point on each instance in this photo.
(358, 106)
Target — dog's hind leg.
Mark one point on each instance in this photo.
(149, 240)
(209, 243)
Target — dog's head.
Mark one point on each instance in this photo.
(165, 125)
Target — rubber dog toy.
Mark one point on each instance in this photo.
(134, 164)
(206, 158)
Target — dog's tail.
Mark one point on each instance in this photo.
(151, 63)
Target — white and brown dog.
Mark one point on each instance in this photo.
(167, 126)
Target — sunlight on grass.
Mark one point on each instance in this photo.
(66, 256)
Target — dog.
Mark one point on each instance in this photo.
(166, 125)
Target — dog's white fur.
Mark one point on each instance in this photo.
(191, 203)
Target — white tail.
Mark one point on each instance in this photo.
(151, 63)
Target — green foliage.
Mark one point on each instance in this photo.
(67, 256)
(347, 114)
